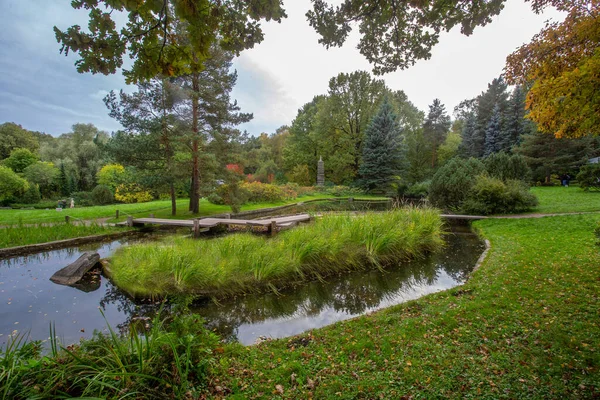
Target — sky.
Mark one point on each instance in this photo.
(41, 89)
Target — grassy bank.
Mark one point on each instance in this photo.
(558, 199)
(19, 235)
(245, 262)
(525, 326)
(161, 209)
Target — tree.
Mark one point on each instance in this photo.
(547, 155)
(20, 159)
(470, 138)
(111, 176)
(395, 34)
(449, 149)
(451, 183)
(301, 175)
(563, 61)
(13, 136)
(492, 133)
(43, 174)
(11, 184)
(153, 134)
(384, 155)
(168, 37)
(515, 124)
(436, 127)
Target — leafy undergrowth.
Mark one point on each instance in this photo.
(21, 235)
(527, 325)
(245, 263)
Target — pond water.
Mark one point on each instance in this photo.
(30, 302)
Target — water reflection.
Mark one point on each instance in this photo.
(29, 301)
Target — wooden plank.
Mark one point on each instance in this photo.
(467, 217)
(73, 272)
(292, 218)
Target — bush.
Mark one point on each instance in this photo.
(505, 167)
(102, 195)
(452, 182)
(20, 159)
(214, 198)
(339, 191)
(491, 195)
(84, 199)
(589, 177)
(132, 193)
(263, 192)
(418, 190)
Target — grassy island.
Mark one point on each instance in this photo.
(245, 262)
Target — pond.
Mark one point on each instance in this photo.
(30, 302)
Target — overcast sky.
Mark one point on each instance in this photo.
(41, 90)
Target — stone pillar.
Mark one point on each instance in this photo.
(320, 172)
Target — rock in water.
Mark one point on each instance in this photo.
(73, 272)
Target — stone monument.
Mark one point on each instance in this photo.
(320, 172)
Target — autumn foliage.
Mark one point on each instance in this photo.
(563, 63)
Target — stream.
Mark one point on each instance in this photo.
(30, 302)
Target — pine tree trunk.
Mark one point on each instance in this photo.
(173, 200)
(195, 192)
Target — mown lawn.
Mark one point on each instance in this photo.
(161, 209)
(527, 325)
(558, 199)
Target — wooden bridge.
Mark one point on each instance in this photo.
(204, 224)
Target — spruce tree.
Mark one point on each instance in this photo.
(384, 153)
(469, 137)
(436, 127)
(492, 133)
(515, 124)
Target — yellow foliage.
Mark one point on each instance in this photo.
(132, 193)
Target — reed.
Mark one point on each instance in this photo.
(245, 262)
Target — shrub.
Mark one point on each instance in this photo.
(418, 190)
(491, 195)
(589, 177)
(452, 182)
(506, 167)
(340, 190)
(290, 190)
(132, 193)
(214, 198)
(102, 195)
(263, 192)
(83, 199)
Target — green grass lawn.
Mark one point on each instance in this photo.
(24, 235)
(527, 325)
(161, 209)
(558, 199)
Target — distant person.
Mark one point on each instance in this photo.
(72, 205)
(563, 180)
(568, 180)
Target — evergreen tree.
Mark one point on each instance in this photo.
(494, 96)
(492, 133)
(469, 137)
(384, 153)
(515, 124)
(63, 183)
(436, 127)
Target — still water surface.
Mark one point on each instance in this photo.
(30, 302)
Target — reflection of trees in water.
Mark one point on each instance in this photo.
(351, 293)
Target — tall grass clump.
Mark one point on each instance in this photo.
(21, 235)
(169, 360)
(245, 262)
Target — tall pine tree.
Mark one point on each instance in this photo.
(436, 127)
(470, 136)
(515, 125)
(384, 153)
(493, 132)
